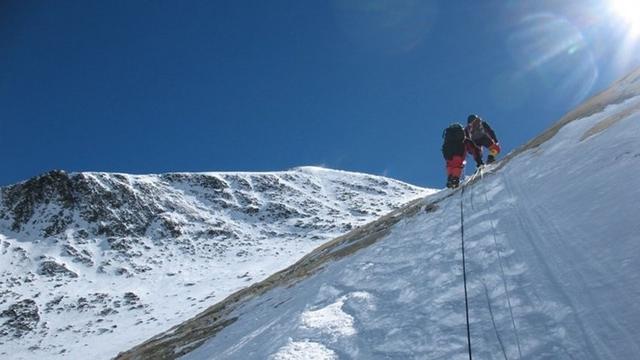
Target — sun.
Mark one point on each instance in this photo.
(629, 11)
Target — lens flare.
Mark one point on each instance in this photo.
(556, 52)
(629, 12)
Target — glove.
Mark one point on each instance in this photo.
(479, 163)
(494, 149)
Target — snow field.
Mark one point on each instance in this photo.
(259, 224)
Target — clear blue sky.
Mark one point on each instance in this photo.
(158, 86)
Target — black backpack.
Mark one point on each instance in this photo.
(453, 141)
(454, 133)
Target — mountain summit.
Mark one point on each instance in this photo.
(98, 262)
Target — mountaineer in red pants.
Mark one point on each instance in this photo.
(480, 134)
(454, 149)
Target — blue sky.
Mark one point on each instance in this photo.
(160, 86)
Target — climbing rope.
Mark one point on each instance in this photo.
(504, 278)
(480, 173)
(464, 272)
(477, 173)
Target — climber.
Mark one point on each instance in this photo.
(480, 134)
(454, 150)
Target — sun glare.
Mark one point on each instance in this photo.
(629, 11)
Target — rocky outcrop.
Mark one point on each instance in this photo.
(22, 317)
(52, 268)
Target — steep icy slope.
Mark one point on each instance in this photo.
(552, 244)
(95, 262)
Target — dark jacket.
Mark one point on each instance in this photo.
(478, 137)
(482, 135)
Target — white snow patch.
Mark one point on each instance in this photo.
(304, 350)
(331, 320)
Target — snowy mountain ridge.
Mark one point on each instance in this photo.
(551, 238)
(87, 257)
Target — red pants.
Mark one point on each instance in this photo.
(455, 166)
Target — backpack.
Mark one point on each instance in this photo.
(454, 133)
(454, 138)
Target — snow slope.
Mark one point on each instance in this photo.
(94, 263)
(552, 243)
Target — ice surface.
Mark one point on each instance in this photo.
(552, 245)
